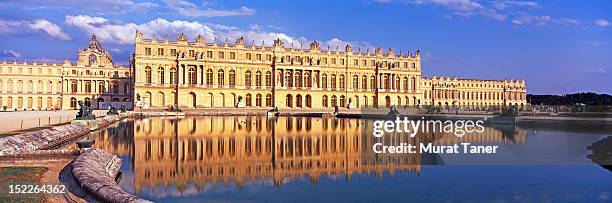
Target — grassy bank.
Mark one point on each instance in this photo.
(20, 175)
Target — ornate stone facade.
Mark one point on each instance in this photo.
(239, 75)
(231, 75)
(46, 86)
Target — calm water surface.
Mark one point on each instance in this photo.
(328, 160)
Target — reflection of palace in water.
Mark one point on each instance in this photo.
(207, 150)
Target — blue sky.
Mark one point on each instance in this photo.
(558, 47)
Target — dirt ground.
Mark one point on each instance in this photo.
(42, 170)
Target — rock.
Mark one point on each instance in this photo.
(95, 171)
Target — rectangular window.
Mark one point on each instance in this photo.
(173, 52)
(333, 61)
(209, 54)
(258, 57)
(232, 55)
(325, 61)
(147, 51)
(268, 57)
(341, 61)
(191, 53)
(160, 51)
(221, 55)
(356, 62)
(248, 56)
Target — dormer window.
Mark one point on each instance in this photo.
(92, 59)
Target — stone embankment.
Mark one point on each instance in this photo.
(95, 172)
(29, 142)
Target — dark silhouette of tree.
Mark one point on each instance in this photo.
(588, 98)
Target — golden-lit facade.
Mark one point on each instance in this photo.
(239, 150)
(239, 75)
(47, 86)
(447, 91)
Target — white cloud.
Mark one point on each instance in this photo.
(511, 4)
(10, 53)
(602, 23)
(123, 33)
(96, 6)
(542, 20)
(110, 31)
(50, 28)
(465, 8)
(34, 26)
(597, 70)
(187, 8)
(596, 43)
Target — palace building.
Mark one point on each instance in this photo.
(203, 75)
(197, 74)
(93, 80)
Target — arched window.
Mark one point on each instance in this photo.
(173, 79)
(324, 80)
(232, 78)
(19, 86)
(73, 86)
(298, 78)
(333, 81)
(115, 88)
(406, 85)
(386, 82)
(342, 101)
(258, 100)
(73, 102)
(258, 79)
(126, 88)
(355, 82)
(88, 86)
(30, 86)
(9, 86)
(160, 72)
(39, 88)
(101, 87)
(268, 79)
(288, 79)
(220, 77)
(87, 101)
(397, 83)
(209, 77)
(269, 100)
(333, 101)
(364, 82)
(191, 76)
(342, 82)
(247, 79)
(307, 80)
(373, 82)
(49, 87)
(248, 100)
(413, 83)
(148, 75)
(324, 101)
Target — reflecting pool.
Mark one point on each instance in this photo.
(241, 158)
